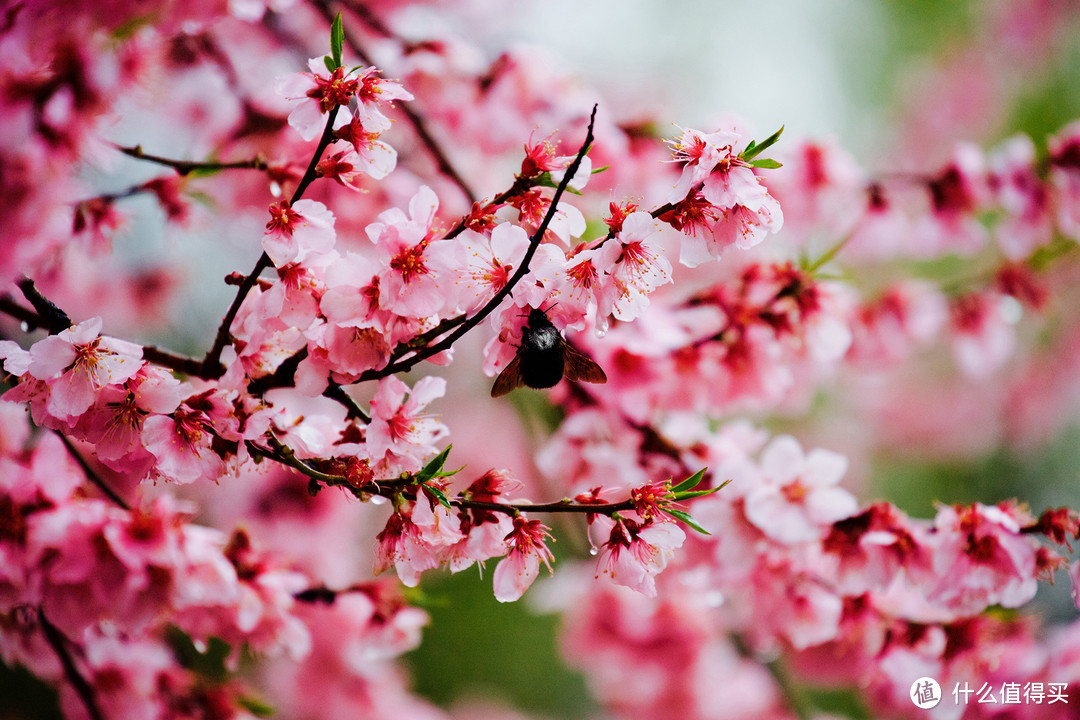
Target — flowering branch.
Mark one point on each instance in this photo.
(414, 118)
(211, 364)
(474, 320)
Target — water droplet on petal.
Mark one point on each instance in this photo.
(378, 500)
(24, 326)
(600, 333)
(593, 551)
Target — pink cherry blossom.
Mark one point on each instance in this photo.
(343, 164)
(1024, 198)
(490, 261)
(636, 553)
(797, 494)
(294, 232)
(516, 572)
(641, 266)
(402, 544)
(313, 94)
(417, 272)
(182, 444)
(77, 363)
(400, 436)
(982, 558)
(1064, 149)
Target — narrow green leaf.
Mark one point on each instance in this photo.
(329, 63)
(255, 706)
(600, 170)
(439, 495)
(766, 163)
(752, 150)
(686, 519)
(433, 467)
(690, 482)
(688, 494)
(337, 40)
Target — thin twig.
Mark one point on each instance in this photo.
(391, 487)
(59, 644)
(185, 167)
(91, 474)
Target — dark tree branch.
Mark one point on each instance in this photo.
(211, 364)
(59, 644)
(185, 167)
(95, 479)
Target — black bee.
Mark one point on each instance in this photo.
(543, 358)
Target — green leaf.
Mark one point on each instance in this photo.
(688, 494)
(329, 63)
(753, 150)
(690, 481)
(600, 170)
(337, 40)
(433, 467)
(686, 519)
(766, 163)
(544, 180)
(439, 495)
(255, 706)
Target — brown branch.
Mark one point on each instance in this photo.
(82, 686)
(211, 364)
(185, 167)
(51, 317)
(164, 358)
(391, 487)
(91, 475)
(25, 315)
(173, 361)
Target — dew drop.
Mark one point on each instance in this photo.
(600, 333)
(378, 500)
(593, 551)
(24, 326)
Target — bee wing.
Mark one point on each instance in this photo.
(579, 366)
(508, 379)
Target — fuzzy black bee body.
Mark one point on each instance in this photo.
(544, 358)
